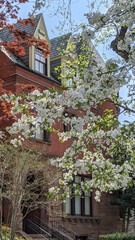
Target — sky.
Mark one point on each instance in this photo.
(79, 8)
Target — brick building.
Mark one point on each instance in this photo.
(81, 217)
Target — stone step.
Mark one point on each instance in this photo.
(35, 235)
(24, 235)
(39, 237)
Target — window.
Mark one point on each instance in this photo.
(79, 206)
(42, 134)
(40, 62)
(69, 76)
(37, 130)
(67, 126)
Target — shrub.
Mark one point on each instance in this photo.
(6, 234)
(117, 236)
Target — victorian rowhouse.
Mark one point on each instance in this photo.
(82, 217)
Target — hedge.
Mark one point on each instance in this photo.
(117, 236)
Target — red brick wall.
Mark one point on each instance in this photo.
(105, 217)
(6, 66)
(29, 77)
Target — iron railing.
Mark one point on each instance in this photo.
(56, 230)
(52, 231)
(69, 233)
(36, 229)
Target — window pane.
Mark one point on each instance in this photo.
(77, 179)
(47, 136)
(87, 194)
(37, 56)
(39, 133)
(41, 68)
(87, 206)
(43, 59)
(36, 65)
(68, 202)
(68, 205)
(69, 83)
(77, 205)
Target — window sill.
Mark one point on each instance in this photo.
(81, 219)
(40, 141)
(42, 74)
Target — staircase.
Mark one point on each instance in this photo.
(42, 231)
(68, 234)
(37, 231)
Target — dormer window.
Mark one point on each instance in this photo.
(70, 73)
(40, 62)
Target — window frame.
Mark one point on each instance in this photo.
(82, 202)
(71, 70)
(46, 135)
(67, 127)
(40, 61)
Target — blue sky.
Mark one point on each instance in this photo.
(79, 8)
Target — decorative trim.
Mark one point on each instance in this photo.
(81, 219)
(41, 32)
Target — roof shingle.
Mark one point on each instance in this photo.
(58, 45)
(5, 35)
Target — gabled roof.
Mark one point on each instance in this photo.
(5, 35)
(58, 45)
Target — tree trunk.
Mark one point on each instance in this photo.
(14, 216)
(1, 214)
(1, 188)
(13, 224)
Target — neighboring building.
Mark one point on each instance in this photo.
(131, 228)
(83, 217)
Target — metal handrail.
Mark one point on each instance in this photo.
(59, 226)
(57, 229)
(54, 232)
(40, 229)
